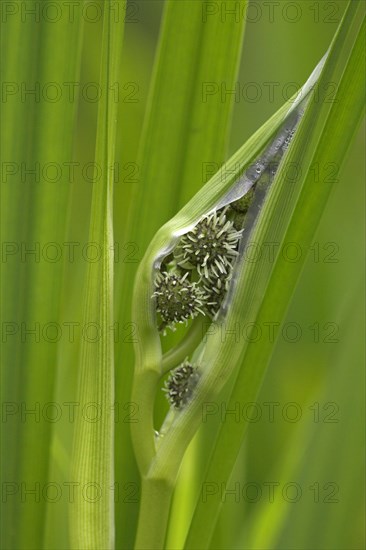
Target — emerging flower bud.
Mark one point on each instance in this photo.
(180, 384)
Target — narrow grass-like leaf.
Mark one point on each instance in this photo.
(37, 134)
(179, 113)
(92, 516)
(291, 214)
(334, 510)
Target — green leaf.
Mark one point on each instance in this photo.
(36, 133)
(328, 495)
(291, 214)
(92, 515)
(182, 128)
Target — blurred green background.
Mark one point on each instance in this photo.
(311, 451)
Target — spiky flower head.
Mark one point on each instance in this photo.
(211, 246)
(216, 289)
(177, 299)
(180, 384)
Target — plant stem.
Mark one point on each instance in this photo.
(173, 357)
(156, 495)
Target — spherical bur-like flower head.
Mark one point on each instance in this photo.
(216, 289)
(212, 243)
(177, 299)
(180, 384)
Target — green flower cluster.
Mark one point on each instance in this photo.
(194, 279)
(180, 384)
(177, 298)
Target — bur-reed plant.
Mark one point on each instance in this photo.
(151, 453)
(202, 249)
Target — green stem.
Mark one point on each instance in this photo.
(175, 356)
(156, 495)
(142, 432)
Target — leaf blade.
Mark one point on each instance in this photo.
(249, 378)
(92, 521)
